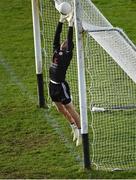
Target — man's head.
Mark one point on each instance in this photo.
(63, 46)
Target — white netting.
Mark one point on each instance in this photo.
(114, 41)
(92, 16)
(119, 49)
(111, 97)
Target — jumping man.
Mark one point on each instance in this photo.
(58, 87)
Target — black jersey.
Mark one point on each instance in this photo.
(61, 58)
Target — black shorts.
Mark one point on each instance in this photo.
(60, 92)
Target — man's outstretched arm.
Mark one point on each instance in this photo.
(70, 39)
(70, 32)
(56, 42)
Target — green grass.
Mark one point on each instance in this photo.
(36, 143)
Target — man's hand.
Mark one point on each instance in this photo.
(70, 18)
(63, 18)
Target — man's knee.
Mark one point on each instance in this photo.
(60, 109)
(69, 106)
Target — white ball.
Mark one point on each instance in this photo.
(65, 8)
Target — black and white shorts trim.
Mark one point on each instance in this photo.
(60, 92)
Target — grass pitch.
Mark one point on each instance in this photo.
(36, 143)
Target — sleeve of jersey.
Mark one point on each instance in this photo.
(70, 39)
(56, 42)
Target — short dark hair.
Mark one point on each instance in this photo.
(64, 45)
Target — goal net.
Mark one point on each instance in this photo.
(110, 66)
(110, 59)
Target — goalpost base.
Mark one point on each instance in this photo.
(85, 140)
(40, 87)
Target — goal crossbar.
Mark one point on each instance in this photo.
(116, 29)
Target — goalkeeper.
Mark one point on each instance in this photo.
(58, 87)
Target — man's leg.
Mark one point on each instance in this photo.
(61, 108)
(70, 108)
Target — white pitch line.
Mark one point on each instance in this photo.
(16, 80)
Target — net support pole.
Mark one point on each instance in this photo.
(38, 53)
(82, 83)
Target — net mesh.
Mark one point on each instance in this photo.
(112, 101)
(110, 79)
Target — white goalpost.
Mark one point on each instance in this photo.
(38, 52)
(103, 83)
(81, 83)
